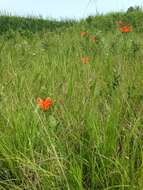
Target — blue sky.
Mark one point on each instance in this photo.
(65, 8)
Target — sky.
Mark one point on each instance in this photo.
(63, 9)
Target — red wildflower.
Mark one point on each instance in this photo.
(93, 38)
(125, 29)
(85, 60)
(44, 104)
(82, 33)
(119, 22)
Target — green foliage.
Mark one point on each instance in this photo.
(31, 24)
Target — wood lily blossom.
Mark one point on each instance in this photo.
(82, 33)
(120, 22)
(85, 60)
(44, 104)
(125, 29)
(93, 38)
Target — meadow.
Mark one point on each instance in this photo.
(91, 136)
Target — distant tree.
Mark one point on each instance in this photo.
(132, 9)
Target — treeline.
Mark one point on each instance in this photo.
(29, 25)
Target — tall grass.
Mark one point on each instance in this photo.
(91, 138)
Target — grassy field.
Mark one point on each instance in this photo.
(91, 137)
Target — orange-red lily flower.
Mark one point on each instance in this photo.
(125, 29)
(44, 104)
(93, 38)
(85, 60)
(120, 22)
(82, 33)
